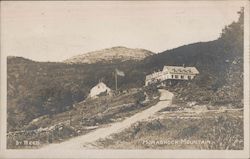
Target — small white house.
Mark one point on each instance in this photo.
(172, 72)
(98, 89)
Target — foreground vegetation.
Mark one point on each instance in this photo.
(85, 117)
(182, 130)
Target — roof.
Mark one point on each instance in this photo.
(181, 70)
(153, 75)
(101, 85)
(99, 88)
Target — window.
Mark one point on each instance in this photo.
(172, 76)
(176, 76)
(182, 77)
(189, 77)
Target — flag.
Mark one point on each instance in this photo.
(119, 72)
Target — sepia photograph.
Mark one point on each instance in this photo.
(124, 79)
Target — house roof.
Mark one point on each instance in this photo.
(99, 88)
(181, 70)
(101, 85)
(154, 74)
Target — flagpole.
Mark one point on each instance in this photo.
(115, 81)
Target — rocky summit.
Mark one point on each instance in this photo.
(113, 54)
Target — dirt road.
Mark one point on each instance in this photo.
(81, 141)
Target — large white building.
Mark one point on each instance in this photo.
(98, 89)
(172, 72)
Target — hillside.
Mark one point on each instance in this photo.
(220, 63)
(40, 88)
(110, 55)
(85, 117)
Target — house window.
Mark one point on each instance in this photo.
(176, 76)
(189, 77)
(172, 76)
(182, 77)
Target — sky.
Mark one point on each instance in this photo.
(57, 30)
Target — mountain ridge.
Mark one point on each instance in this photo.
(117, 53)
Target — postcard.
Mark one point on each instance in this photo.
(124, 79)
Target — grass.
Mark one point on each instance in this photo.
(86, 116)
(212, 131)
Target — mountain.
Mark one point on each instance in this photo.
(17, 59)
(41, 88)
(110, 55)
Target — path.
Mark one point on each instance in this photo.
(80, 141)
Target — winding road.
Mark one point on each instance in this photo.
(80, 142)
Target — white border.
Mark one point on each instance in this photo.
(4, 153)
